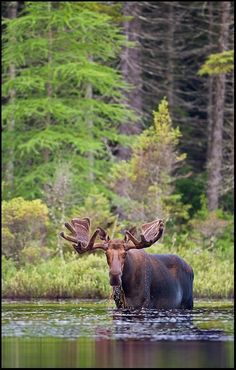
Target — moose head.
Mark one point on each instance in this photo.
(116, 249)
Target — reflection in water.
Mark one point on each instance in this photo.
(86, 335)
(164, 325)
(104, 353)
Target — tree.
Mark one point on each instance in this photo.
(24, 224)
(215, 65)
(131, 69)
(144, 187)
(59, 50)
(214, 164)
(218, 63)
(174, 40)
(11, 11)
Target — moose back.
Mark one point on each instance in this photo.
(139, 279)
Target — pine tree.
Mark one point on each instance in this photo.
(144, 186)
(214, 164)
(60, 49)
(174, 39)
(219, 65)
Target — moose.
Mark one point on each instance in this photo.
(139, 279)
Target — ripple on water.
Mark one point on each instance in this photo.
(155, 325)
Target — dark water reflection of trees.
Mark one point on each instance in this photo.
(94, 334)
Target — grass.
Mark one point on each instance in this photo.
(87, 276)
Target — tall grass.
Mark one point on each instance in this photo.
(87, 276)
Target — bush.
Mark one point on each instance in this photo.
(87, 276)
(77, 277)
(33, 254)
(212, 229)
(97, 207)
(23, 222)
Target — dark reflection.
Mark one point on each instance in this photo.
(105, 353)
(166, 354)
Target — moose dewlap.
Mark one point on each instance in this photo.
(139, 279)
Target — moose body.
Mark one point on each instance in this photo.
(156, 281)
(138, 279)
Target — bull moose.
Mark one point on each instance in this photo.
(139, 279)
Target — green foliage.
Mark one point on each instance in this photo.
(68, 100)
(218, 63)
(144, 184)
(61, 115)
(192, 188)
(227, 201)
(33, 254)
(208, 230)
(96, 206)
(24, 222)
(203, 212)
(212, 230)
(85, 277)
(8, 269)
(213, 274)
(205, 242)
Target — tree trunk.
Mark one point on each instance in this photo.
(12, 13)
(215, 155)
(131, 69)
(210, 87)
(170, 62)
(89, 123)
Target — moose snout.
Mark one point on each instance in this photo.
(115, 278)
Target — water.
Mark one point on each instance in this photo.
(93, 334)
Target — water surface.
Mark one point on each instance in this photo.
(88, 333)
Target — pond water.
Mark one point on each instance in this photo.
(93, 334)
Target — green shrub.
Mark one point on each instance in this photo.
(87, 276)
(76, 277)
(96, 206)
(32, 254)
(212, 230)
(23, 222)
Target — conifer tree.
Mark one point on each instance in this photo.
(144, 187)
(60, 50)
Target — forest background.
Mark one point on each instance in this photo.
(121, 112)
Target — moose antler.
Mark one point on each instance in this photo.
(151, 232)
(80, 228)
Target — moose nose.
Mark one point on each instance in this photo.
(115, 279)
